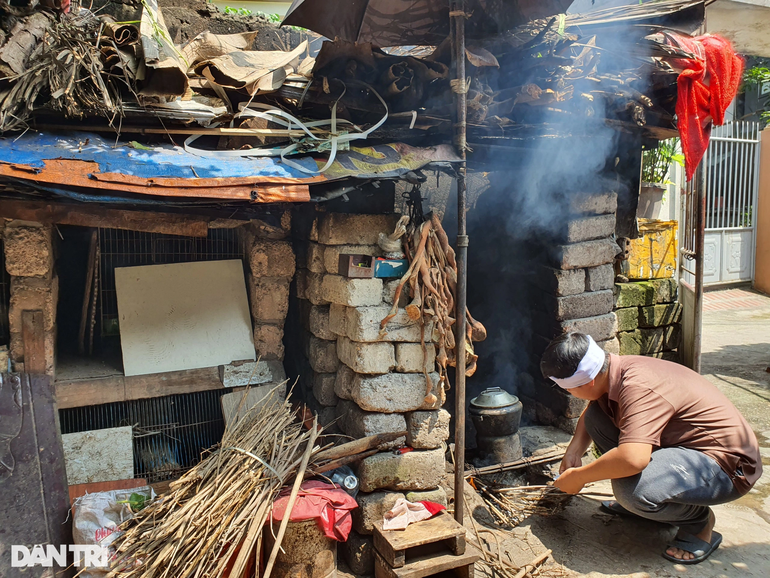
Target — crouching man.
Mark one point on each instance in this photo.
(671, 442)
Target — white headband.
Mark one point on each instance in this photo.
(588, 368)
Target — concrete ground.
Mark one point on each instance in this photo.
(588, 543)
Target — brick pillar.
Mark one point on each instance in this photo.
(29, 260)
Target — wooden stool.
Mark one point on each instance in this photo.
(423, 549)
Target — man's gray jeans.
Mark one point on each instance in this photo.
(676, 487)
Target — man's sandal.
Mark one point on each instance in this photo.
(695, 546)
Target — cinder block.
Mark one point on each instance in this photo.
(314, 288)
(411, 359)
(358, 552)
(318, 322)
(369, 358)
(559, 282)
(351, 292)
(343, 383)
(323, 355)
(268, 341)
(427, 429)
(323, 389)
(28, 249)
(601, 327)
(271, 258)
(392, 392)
(437, 496)
(417, 470)
(338, 319)
(31, 294)
(594, 203)
(581, 306)
(588, 228)
(352, 229)
(371, 508)
(628, 318)
(269, 299)
(389, 292)
(315, 257)
(586, 254)
(600, 278)
(358, 423)
(363, 324)
(332, 254)
(659, 315)
(634, 294)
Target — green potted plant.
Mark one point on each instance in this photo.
(655, 166)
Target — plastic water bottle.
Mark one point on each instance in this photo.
(346, 479)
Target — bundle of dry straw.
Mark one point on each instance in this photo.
(511, 506)
(210, 523)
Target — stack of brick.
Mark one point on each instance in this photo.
(573, 293)
(648, 316)
(369, 382)
(271, 268)
(29, 260)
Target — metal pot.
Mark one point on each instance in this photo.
(495, 413)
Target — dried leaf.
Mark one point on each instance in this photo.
(479, 57)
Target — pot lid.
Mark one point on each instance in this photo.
(494, 397)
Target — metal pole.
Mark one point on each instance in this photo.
(457, 18)
(700, 238)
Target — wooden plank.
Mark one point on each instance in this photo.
(440, 527)
(87, 293)
(91, 216)
(33, 337)
(428, 565)
(84, 392)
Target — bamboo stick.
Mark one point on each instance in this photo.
(358, 446)
(527, 568)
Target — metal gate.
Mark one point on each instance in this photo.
(732, 178)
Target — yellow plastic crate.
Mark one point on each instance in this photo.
(653, 255)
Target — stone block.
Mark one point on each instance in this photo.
(560, 283)
(269, 299)
(392, 392)
(634, 294)
(268, 341)
(315, 258)
(417, 470)
(246, 373)
(5, 358)
(586, 254)
(371, 508)
(649, 340)
(672, 356)
(332, 255)
(559, 401)
(358, 552)
(589, 228)
(389, 292)
(545, 414)
(437, 496)
(338, 319)
(600, 278)
(271, 258)
(318, 322)
(411, 359)
(323, 389)
(427, 429)
(323, 355)
(580, 306)
(299, 287)
(567, 424)
(594, 203)
(368, 358)
(659, 315)
(628, 318)
(610, 345)
(363, 324)
(28, 249)
(358, 423)
(352, 229)
(314, 288)
(31, 294)
(343, 382)
(351, 292)
(666, 290)
(601, 327)
(672, 337)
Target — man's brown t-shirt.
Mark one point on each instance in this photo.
(666, 405)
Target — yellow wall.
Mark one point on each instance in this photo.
(762, 266)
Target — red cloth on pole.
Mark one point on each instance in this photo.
(706, 86)
(326, 503)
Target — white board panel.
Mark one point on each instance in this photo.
(183, 316)
(102, 455)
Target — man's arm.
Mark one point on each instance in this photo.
(620, 462)
(573, 457)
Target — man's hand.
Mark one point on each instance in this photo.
(570, 460)
(569, 481)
